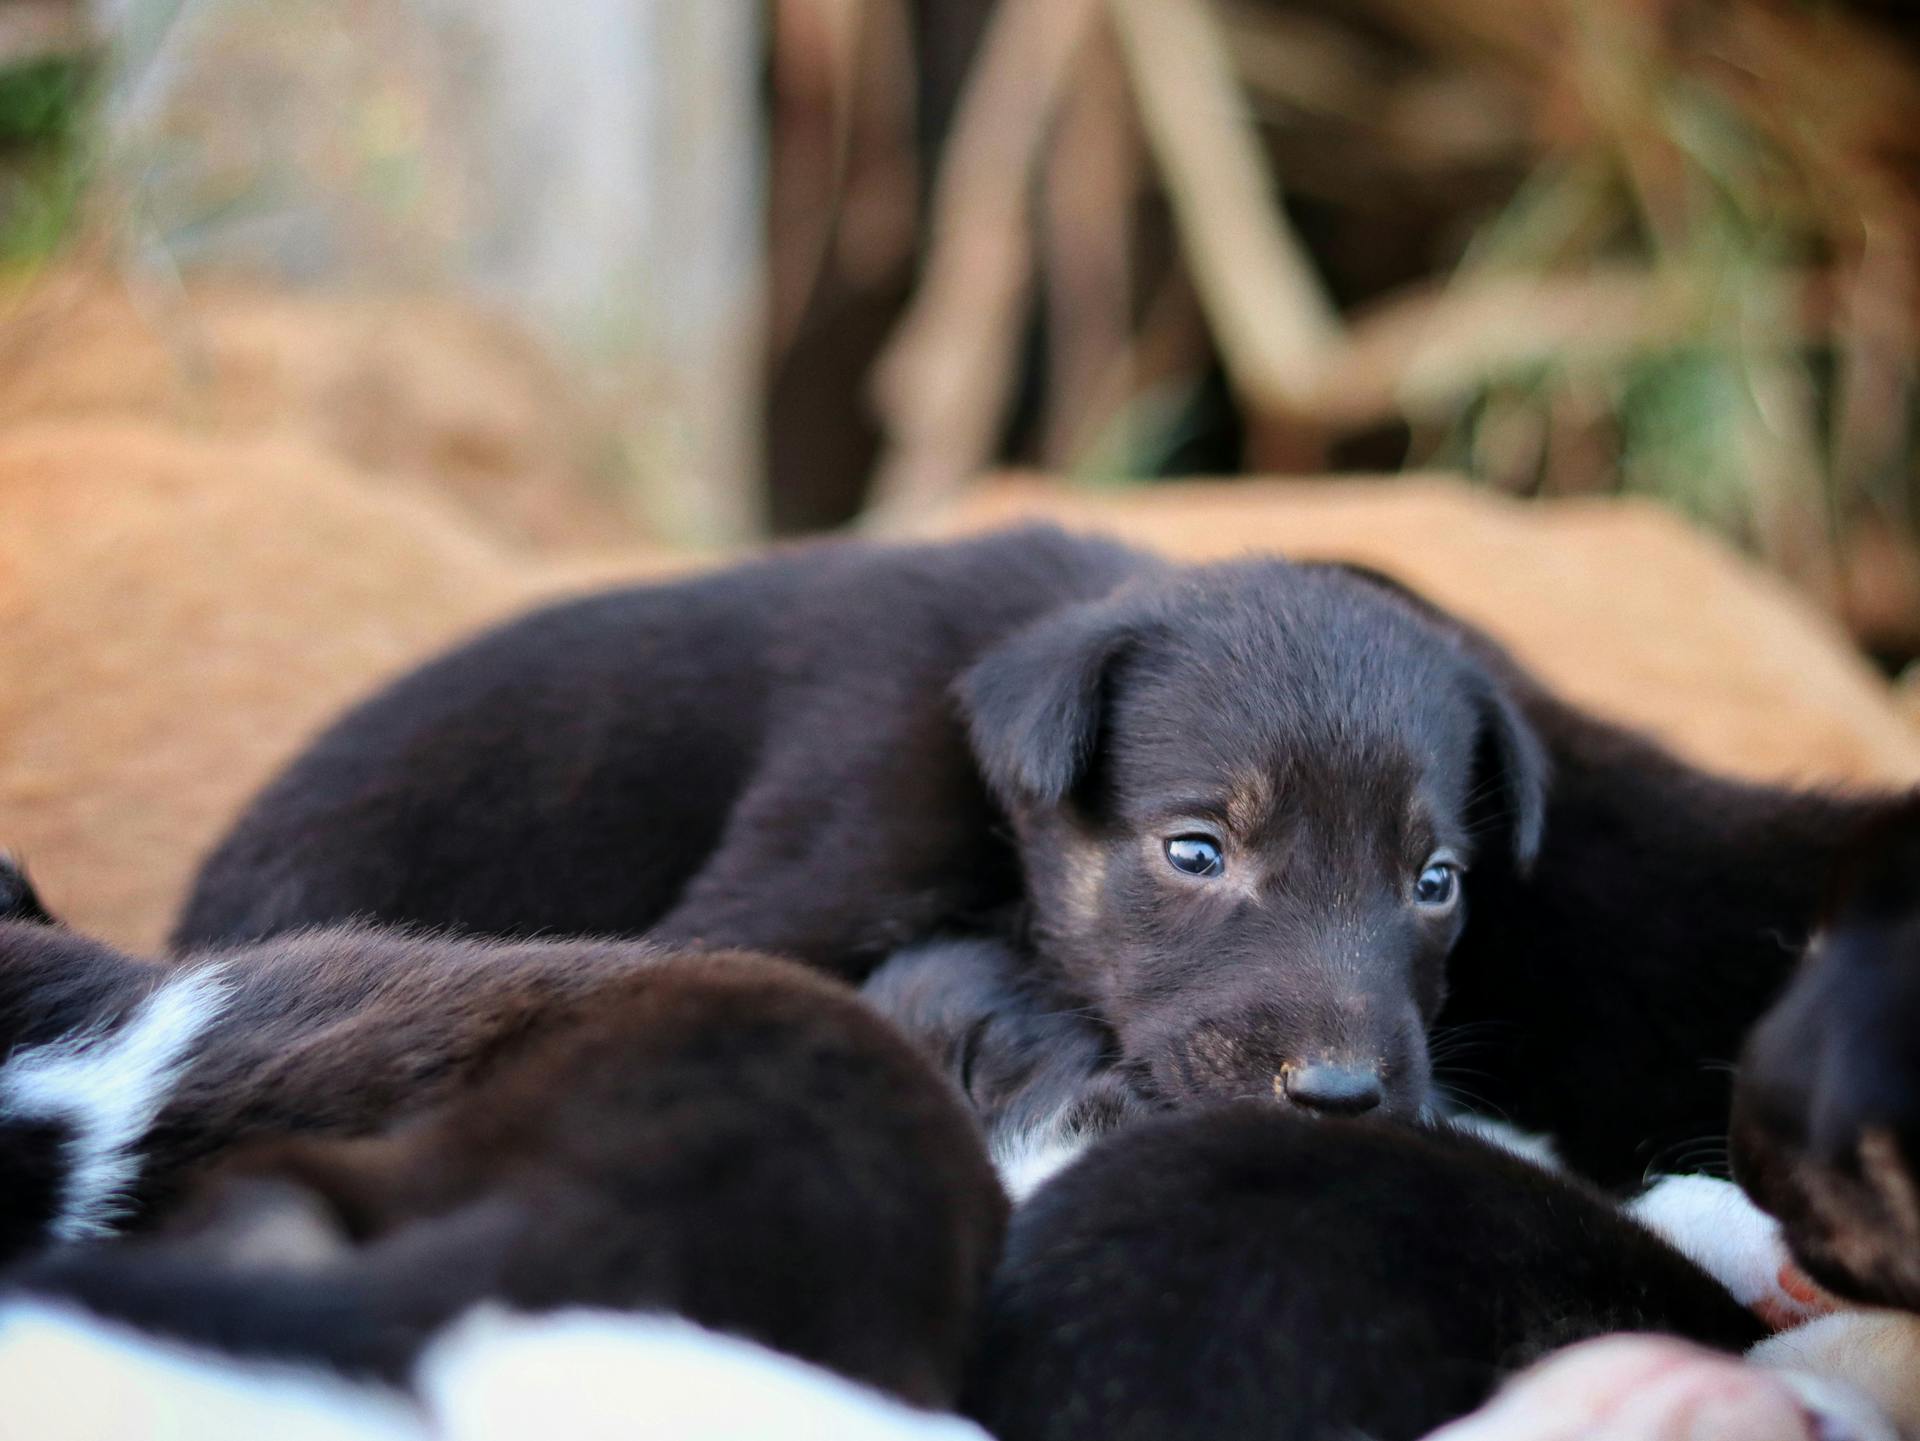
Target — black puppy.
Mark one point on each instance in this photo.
(1236, 810)
(728, 1138)
(1826, 1131)
(1234, 1271)
(1241, 798)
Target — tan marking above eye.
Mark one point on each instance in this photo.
(1249, 801)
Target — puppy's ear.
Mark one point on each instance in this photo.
(1511, 767)
(18, 899)
(1033, 703)
(1511, 770)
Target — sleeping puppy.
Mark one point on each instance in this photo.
(1271, 823)
(1233, 1271)
(534, 1086)
(1827, 1120)
(725, 1137)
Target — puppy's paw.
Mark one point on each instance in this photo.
(1718, 1227)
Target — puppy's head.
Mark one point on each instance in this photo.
(1250, 799)
(1826, 1119)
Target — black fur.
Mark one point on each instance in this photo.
(705, 758)
(728, 1138)
(1033, 1066)
(1236, 1272)
(18, 899)
(1826, 1126)
(840, 751)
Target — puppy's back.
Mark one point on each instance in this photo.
(569, 771)
(1239, 1272)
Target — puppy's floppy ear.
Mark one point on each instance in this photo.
(18, 899)
(1033, 703)
(1511, 769)
(1511, 764)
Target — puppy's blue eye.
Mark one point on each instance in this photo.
(1438, 885)
(1195, 855)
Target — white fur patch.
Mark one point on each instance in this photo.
(1716, 1225)
(108, 1086)
(587, 1374)
(69, 1376)
(1527, 1145)
(1027, 1160)
(493, 1376)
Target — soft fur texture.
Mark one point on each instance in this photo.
(1717, 1226)
(770, 757)
(565, 1123)
(1041, 1080)
(869, 724)
(1827, 1124)
(492, 1376)
(648, 1378)
(1238, 1271)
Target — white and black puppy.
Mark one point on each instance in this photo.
(724, 1136)
(1272, 823)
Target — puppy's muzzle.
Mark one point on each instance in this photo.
(1331, 1090)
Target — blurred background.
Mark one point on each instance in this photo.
(695, 272)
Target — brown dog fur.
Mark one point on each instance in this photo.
(724, 1136)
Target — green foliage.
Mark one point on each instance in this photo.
(43, 113)
(41, 101)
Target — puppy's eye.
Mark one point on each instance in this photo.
(1438, 886)
(1195, 855)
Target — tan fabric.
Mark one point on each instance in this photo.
(176, 617)
(432, 396)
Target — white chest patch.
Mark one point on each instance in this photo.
(1028, 1159)
(108, 1087)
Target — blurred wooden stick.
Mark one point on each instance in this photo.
(1091, 179)
(1420, 354)
(1268, 310)
(37, 29)
(943, 384)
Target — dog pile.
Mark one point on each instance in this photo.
(616, 1026)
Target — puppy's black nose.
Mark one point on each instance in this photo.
(1332, 1090)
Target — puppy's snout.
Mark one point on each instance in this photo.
(1331, 1090)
